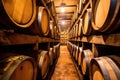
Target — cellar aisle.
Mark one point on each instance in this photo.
(65, 69)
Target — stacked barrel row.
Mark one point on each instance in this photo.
(32, 18)
(47, 60)
(102, 67)
(26, 17)
(97, 17)
(28, 65)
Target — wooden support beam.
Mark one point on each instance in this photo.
(66, 19)
(65, 6)
(65, 13)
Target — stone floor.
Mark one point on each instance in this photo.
(65, 69)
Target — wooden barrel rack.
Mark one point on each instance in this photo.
(98, 46)
(27, 34)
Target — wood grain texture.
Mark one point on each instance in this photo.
(109, 39)
(15, 39)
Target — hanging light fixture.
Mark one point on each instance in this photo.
(62, 9)
(63, 22)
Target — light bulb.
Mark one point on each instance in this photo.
(62, 9)
(63, 23)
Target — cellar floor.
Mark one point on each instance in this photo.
(65, 69)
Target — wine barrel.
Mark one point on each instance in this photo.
(41, 24)
(70, 34)
(74, 17)
(80, 7)
(80, 28)
(57, 35)
(51, 56)
(79, 55)
(71, 48)
(87, 27)
(116, 59)
(17, 14)
(54, 51)
(73, 32)
(18, 67)
(57, 50)
(76, 12)
(52, 29)
(104, 68)
(105, 16)
(43, 21)
(43, 63)
(76, 53)
(76, 31)
(86, 57)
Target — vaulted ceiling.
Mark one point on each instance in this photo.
(64, 11)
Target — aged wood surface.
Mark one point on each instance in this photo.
(15, 38)
(111, 39)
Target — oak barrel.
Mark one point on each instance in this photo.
(43, 63)
(80, 7)
(105, 15)
(80, 24)
(76, 12)
(71, 34)
(87, 26)
(18, 67)
(75, 30)
(86, 57)
(41, 24)
(74, 51)
(79, 55)
(51, 56)
(17, 13)
(54, 51)
(71, 48)
(52, 29)
(58, 50)
(104, 68)
(116, 59)
(69, 45)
